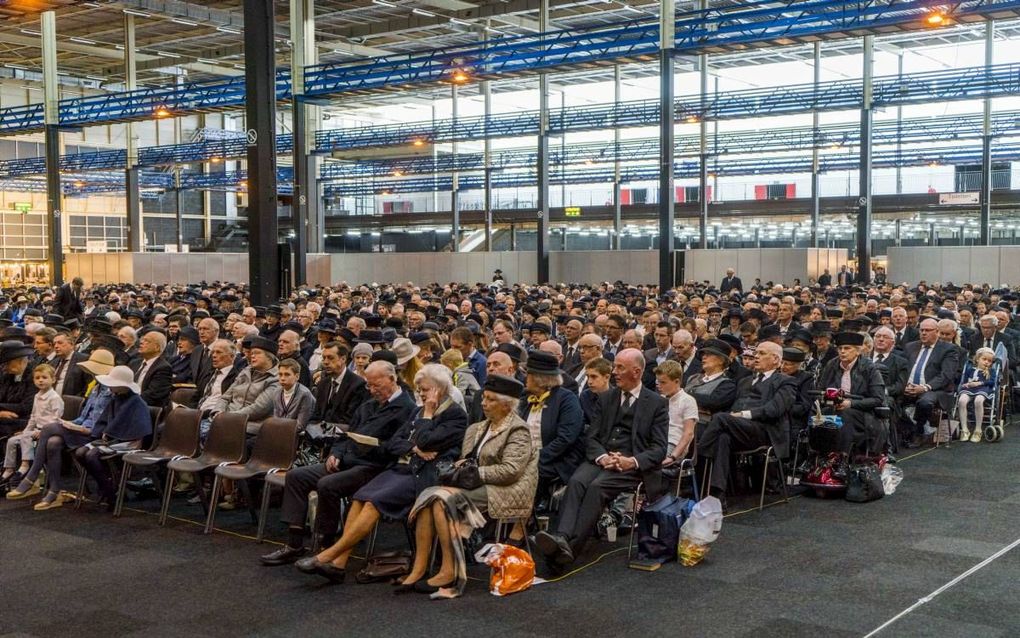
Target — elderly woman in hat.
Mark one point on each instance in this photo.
(712, 390)
(125, 422)
(556, 421)
(433, 434)
(16, 388)
(498, 473)
(857, 376)
(68, 434)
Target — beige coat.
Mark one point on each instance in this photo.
(508, 465)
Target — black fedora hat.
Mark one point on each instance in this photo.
(12, 349)
(505, 386)
(371, 337)
(716, 347)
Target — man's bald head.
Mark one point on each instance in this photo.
(500, 363)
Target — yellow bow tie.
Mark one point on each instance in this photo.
(538, 401)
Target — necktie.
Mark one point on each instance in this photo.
(59, 374)
(922, 360)
(141, 371)
(570, 353)
(757, 378)
(880, 358)
(627, 398)
(988, 343)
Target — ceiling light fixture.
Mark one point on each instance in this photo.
(383, 3)
(187, 23)
(167, 55)
(31, 32)
(423, 12)
(82, 40)
(460, 22)
(222, 29)
(140, 14)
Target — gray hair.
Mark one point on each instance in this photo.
(990, 318)
(438, 375)
(229, 345)
(887, 331)
(384, 367)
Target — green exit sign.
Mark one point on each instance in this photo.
(21, 207)
(572, 211)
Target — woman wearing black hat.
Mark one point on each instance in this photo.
(16, 388)
(503, 486)
(713, 390)
(554, 416)
(855, 375)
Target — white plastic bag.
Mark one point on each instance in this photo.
(891, 477)
(699, 530)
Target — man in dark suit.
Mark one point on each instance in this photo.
(498, 362)
(152, 372)
(663, 351)
(731, 282)
(185, 363)
(759, 417)
(825, 279)
(201, 357)
(340, 391)
(572, 363)
(67, 303)
(349, 466)
(933, 368)
(71, 379)
(844, 277)
(990, 337)
(903, 332)
(893, 367)
(225, 368)
(626, 445)
(290, 348)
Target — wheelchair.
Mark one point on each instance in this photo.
(824, 471)
(994, 422)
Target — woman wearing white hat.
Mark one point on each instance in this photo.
(125, 420)
(408, 363)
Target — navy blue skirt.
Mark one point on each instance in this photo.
(392, 493)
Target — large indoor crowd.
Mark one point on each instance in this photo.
(447, 407)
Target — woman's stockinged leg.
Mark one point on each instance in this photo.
(423, 535)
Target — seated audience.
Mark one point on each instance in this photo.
(431, 435)
(350, 464)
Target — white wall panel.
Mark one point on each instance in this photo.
(975, 264)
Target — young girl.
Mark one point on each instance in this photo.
(978, 383)
(47, 408)
(361, 354)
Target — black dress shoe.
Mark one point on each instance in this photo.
(555, 548)
(308, 565)
(331, 572)
(283, 556)
(142, 485)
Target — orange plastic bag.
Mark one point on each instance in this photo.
(512, 569)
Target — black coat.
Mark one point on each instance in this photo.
(731, 283)
(941, 371)
(910, 334)
(769, 403)
(718, 400)
(865, 381)
(649, 433)
(562, 433)
(76, 378)
(380, 421)
(345, 402)
(157, 383)
(803, 405)
(16, 395)
(442, 434)
(67, 304)
(589, 406)
(894, 371)
(227, 382)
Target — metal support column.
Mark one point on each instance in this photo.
(816, 203)
(487, 157)
(135, 231)
(455, 190)
(260, 112)
(667, 145)
(932, 236)
(51, 97)
(985, 223)
(899, 232)
(307, 232)
(542, 247)
(703, 139)
(899, 129)
(617, 243)
(864, 193)
(178, 193)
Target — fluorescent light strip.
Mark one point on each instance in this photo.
(167, 55)
(206, 61)
(383, 3)
(228, 30)
(140, 14)
(187, 23)
(459, 21)
(31, 32)
(82, 40)
(423, 12)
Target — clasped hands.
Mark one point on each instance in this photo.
(618, 462)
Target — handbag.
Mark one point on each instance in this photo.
(658, 528)
(466, 475)
(384, 567)
(864, 483)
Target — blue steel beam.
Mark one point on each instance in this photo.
(684, 170)
(733, 28)
(837, 136)
(841, 95)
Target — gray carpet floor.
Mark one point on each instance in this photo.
(812, 568)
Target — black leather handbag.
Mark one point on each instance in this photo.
(864, 483)
(466, 475)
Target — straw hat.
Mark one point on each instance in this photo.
(99, 362)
